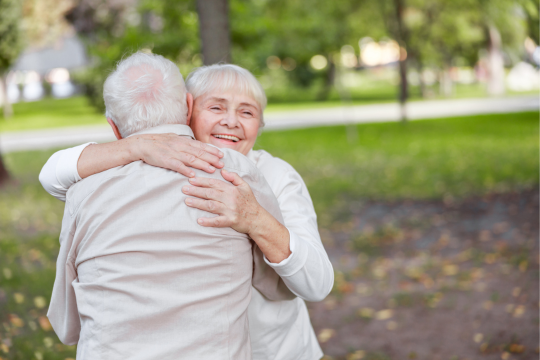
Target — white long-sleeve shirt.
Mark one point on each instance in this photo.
(279, 330)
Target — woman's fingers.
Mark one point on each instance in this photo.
(196, 163)
(203, 193)
(159, 149)
(206, 153)
(232, 177)
(209, 183)
(211, 206)
(218, 221)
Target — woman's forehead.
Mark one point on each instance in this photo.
(228, 97)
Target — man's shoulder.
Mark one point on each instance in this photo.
(238, 162)
(270, 165)
(82, 189)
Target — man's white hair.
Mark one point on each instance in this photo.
(144, 91)
(224, 78)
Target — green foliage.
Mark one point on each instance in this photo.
(10, 33)
(168, 28)
(426, 159)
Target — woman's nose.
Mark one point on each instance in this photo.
(230, 120)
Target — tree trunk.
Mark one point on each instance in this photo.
(446, 87)
(4, 175)
(214, 30)
(403, 86)
(328, 81)
(495, 63)
(6, 105)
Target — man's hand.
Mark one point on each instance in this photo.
(177, 153)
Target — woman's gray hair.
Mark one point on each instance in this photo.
(144, 91)
(225, 78)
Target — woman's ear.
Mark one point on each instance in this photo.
(189, 101)
(114, 129)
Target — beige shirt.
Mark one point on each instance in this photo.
(138, 278)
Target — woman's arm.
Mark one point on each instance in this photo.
(168, 151)
(295, 250)
(236, 207)
(308, 272)
(65, 167)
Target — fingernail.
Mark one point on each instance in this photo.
(211, 168)
(221, 154)
(191, 174)
(200, 221)
(188, 201)
(220, 163)
(185, 189)
(191, 180)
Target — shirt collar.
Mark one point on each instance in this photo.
(177, 129)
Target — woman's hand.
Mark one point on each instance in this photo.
(237, 207)
(177, 153)
(233, 201)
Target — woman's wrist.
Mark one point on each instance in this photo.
(271, 236)
(134, 149)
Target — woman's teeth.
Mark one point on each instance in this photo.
(227, 137)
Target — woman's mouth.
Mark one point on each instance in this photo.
(227, 137)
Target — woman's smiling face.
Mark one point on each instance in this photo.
(226, 120)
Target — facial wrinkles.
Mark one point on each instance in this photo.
(224, 126)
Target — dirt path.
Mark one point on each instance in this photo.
(434, 280)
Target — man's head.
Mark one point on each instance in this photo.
(228, 106)
(144, 91)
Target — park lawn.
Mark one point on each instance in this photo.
(76, 111)
(428, 159)
(52, 113)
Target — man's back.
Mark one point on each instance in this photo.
(149, 282)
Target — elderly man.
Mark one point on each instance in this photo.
(137, 277)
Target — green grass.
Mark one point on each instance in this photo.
(76, 111)
(452, 157)
(423, 159)
(51, 113)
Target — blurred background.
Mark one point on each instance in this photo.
(414, 124)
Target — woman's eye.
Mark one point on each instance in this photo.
(247, 113)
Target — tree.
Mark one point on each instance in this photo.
(214, 30)
(10, 47)
(10, 44)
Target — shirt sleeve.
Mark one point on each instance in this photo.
(60, 171)
(307, 272)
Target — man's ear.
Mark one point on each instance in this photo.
(114, 129)
(189, 101)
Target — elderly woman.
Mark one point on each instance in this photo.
(228, 105)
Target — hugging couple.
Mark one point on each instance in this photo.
(179, 241)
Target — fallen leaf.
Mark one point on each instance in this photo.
(520, 310)
(19, 298)
(357, 355)
(44, 323)
(478, 337)
(40, 302)
(326, 334)
(384, 314)
(450, 270)
(366, 312)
